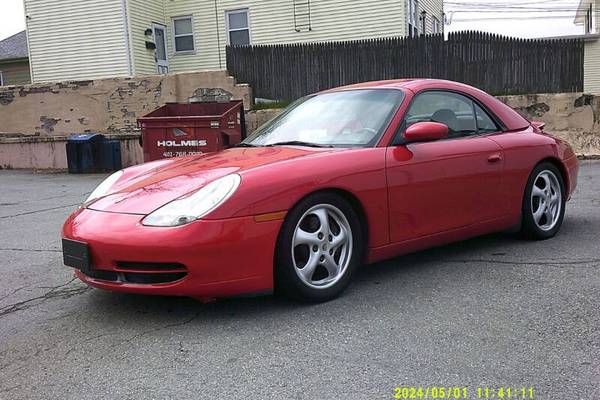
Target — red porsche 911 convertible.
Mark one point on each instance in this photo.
(342, 178)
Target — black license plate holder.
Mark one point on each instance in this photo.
(76, 254)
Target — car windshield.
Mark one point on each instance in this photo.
(351, 118)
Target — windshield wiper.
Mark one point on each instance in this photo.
(298, 143)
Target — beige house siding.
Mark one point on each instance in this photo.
(206, 49)
(581, 15)
(74, 39)
(15, 72)
(434, 8)
(272, 22)
(591, 67)
(141, 15)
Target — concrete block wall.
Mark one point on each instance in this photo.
(35, 120)
(51, 153)
(109, 106)
(574, 117)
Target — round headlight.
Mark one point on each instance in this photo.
(195, 205)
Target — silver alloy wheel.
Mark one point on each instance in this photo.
(546, 200)
(322, 246)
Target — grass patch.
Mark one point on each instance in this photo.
(272, 105)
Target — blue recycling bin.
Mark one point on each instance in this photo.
(110, 156)
(92, 152)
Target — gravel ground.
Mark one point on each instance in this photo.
(495, 311)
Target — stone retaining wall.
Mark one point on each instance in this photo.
(36, 119)
(51, 152)
(574, 117)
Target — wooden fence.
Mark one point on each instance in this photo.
(496, 64)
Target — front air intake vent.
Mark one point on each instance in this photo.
(129, 266)
(150, 279)
(99, 274)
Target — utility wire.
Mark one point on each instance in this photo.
(514, 11)
(512, 18)
(505, 4)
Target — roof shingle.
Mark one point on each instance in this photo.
(14, 47)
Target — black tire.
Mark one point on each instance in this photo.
(529, 228)
(287, 280)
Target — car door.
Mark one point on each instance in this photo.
(445, 184)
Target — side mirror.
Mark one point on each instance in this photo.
(425, 131)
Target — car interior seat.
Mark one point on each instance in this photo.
(447, 117)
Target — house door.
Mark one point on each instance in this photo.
(160, 39)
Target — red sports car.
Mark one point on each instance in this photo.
(342, 178)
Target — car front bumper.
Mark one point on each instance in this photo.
(220, 257)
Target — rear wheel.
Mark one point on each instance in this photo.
(544, 202)
(319, 247)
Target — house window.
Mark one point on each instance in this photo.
(435, 25)
(183, 34)
(238, 27)
(413, 18)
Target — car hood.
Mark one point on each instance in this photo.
(145, 188)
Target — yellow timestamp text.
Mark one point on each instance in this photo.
(464, 392)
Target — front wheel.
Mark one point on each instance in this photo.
(319, 247)
(543, 203)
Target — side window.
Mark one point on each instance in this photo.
(238, 27)
(183, 34)
(452, 109)
(413, 18)
(484, 122)
(435, 26)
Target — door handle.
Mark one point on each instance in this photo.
(494, 158)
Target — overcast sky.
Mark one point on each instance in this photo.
(12, 19)
(522, 18)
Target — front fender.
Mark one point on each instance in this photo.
(274, 188)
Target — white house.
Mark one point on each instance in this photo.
(84, 39)
(588, 15)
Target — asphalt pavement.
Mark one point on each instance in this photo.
(491, 312)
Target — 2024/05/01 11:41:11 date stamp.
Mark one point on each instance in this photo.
(464, 392)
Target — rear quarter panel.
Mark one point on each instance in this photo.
(523, 150)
